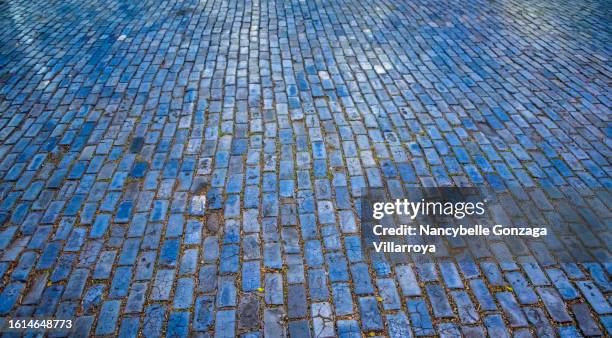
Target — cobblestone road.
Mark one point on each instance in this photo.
(118, 118)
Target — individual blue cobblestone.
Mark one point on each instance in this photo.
(483, 295)
(9, 296)
(153, 320)
(76, 239)
(158, 211)
(104, 265)
(139, 170)
(295, 269)
(406, 279)
(348, 329)
(337, 267)
(342, 300)
(370, 315)
(388, 293)
(203, 313)
(129, 252)
(251, 275)
(587, 324)
(331, 238)
(296, 301)
(24, 266)
(554, 304)
(174, 228)
(299, 328)
(123, 212)
(353, 248)
(568, 331)
(519, 284)
(183, 294)
(229, 258)
(136, 298)
(100, 226)
(162, 284)
(273, 257)
(541, 324)
(465, 308)
(224, 323)
(599, 276)
(495, 326)
(439, 301)
(398, 325)
(511, 308)
(362, 282)
(48, 256)
(273, 287)
(76, 284)
(145, 267)
(535, 273)
(189, 262)
(121, 280)
(594, 297)
(313, 253)
(178, 324)
(129, 327)
(491, 271)
(63, 267)
(110, 313)
(450, 275)
(317, 284)
(49, 300)
(84, 324)
(562, 283)
(419, 317)
(427, 272)
(448, 330)
(290, 240)
(169, 252)
(227, 292)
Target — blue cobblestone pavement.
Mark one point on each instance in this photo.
(194, 168)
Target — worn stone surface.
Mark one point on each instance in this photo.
(187, 168)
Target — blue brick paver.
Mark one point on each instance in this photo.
(196, 167)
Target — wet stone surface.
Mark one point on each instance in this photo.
(195, 167)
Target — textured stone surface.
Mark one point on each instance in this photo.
(196, 166)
